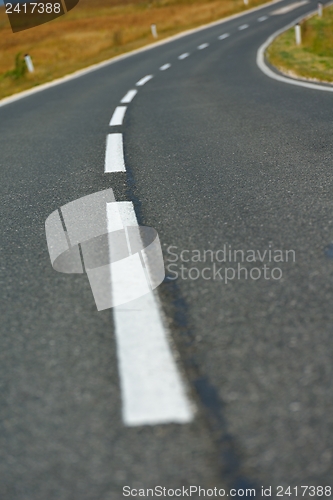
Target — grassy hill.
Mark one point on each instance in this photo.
(96, 30)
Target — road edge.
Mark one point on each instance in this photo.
(275, 74)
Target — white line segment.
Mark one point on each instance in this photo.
(183, 56)
(152, 388)
(203, 46)
(129, 96)
(165, 66)
(144, 80)
(118, 116)
(243, 27)
(262, 18)
(222, 37)
(114, 156)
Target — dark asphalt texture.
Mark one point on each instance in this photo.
(217, 154)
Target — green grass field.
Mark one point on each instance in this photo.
(313, 59)
(97, 30)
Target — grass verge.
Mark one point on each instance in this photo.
(97, 30)
(313, 59)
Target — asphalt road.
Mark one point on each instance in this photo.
(216, 154)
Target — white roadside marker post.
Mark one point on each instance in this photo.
(246, 2)
(154, 30)
(298, 34)
(29, 63)
(320, 9)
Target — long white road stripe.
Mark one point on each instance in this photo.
(183, 56)
(289, 8)
(262, 18)
(118, 116)
(151, 386)
(129, 96)
(114, 156)
(203, 46)
(222, 37)
(144, 80)
(165, 66)
(243, 27)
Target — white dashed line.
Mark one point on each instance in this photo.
(262, 18)
(152, 388)
(114, 156)
(129, 96)
(144, 80)
(165, 66)
(222, 37)
(118, 116)
(243, 27)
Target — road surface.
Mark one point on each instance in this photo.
(217, 157)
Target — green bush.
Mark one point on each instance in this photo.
(20, 68)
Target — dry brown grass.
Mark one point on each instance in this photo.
(97, 30)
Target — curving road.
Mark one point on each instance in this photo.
(217, 156)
